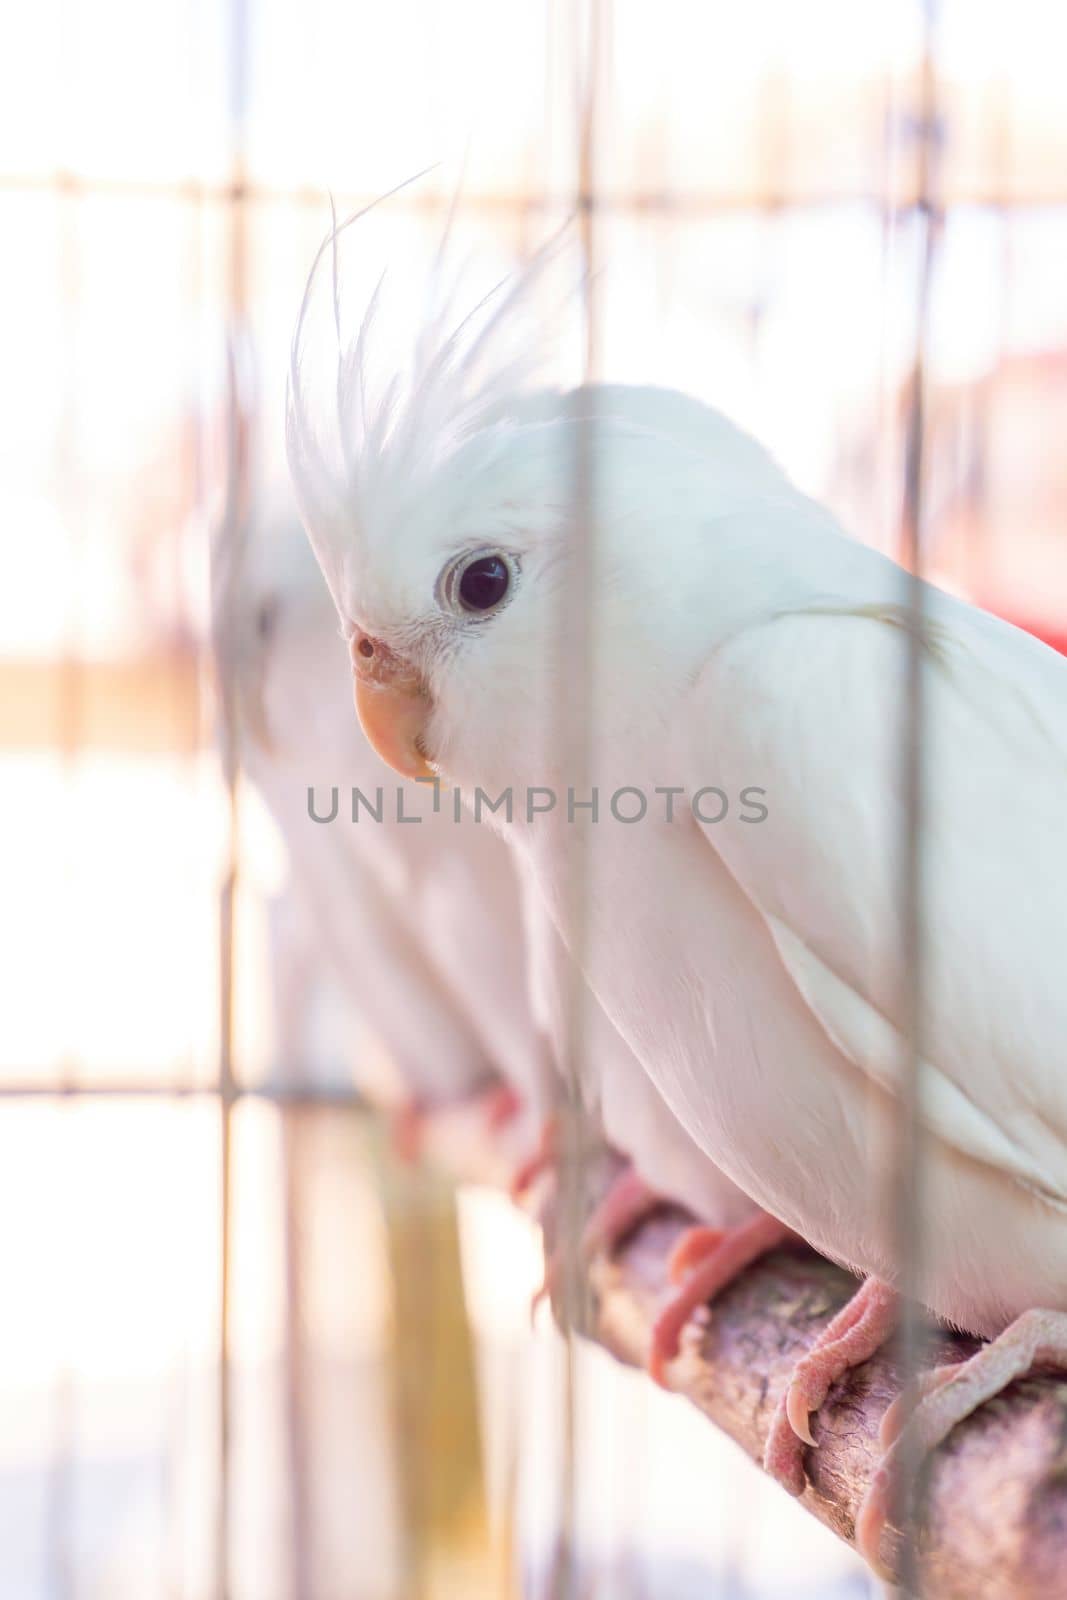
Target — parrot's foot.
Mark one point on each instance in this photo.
(502, 1105)
(853, 1336)
(549, 1282)
(406, 1127)
(627, 1199)
(626, 1202)
(543, 1157)
(702, 1263)
(922, 1418)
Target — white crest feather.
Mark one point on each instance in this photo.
(357, 468)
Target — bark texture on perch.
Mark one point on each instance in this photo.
(994, 1508)
(994, 1505)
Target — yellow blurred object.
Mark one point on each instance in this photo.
(448, 1546)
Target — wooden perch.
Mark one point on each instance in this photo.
(994, 1503)
(994, 1509)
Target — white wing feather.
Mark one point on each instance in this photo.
(809, 708)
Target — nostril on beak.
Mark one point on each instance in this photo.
(365, 647)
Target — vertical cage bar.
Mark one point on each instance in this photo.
(60, 1492)
(236, 509)
(572, 720)
(909, 1195)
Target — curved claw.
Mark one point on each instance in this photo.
(799, 1414)
(850, 1339)
(783, 1454)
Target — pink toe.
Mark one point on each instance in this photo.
(871, 1520)
(693, 1247)
(627, 1202)
(783, 1455)
(666, 1336)
(406, 1126)
(502, 1105)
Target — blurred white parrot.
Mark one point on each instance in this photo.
(751, 957)
(418, 920)
(407, 914)
(663, 1163)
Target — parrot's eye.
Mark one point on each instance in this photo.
(480, 583)
(484, 584)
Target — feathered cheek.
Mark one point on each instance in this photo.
(461, 725)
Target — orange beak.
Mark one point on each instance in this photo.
(392, 705)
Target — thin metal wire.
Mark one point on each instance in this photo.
(225, 1096)
(60, 1488)
(909, 1195)
(329, 1096)
(638, 201)
(296, 1138)
(237, 487)
(572, 721)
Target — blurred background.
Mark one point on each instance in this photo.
(244, 1351)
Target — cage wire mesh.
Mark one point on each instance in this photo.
(238, 1362)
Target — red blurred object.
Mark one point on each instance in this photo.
(1053, 633)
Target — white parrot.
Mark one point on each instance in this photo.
(424, 927)
(740, 642)
(409, 915)
(663, 1163)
